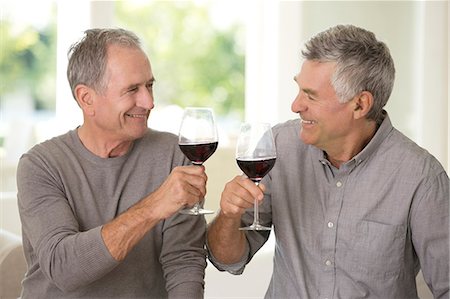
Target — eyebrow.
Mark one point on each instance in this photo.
(151, 80)
(134, 85)
(309, 91)
(306, 90)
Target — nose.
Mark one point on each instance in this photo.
(298, 105)
(145, 99)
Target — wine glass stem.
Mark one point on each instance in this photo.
(196, 206)
(256, 210)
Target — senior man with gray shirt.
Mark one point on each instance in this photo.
(357, 208)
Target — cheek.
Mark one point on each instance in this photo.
(335, 116)
(339, 110)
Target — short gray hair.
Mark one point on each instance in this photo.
(88, 57)
(362, 64)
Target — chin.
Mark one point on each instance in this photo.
(303, 137)
(136, 134)
(142, 133)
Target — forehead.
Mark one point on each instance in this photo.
(118, 54)
(128, 63)
(315, 75)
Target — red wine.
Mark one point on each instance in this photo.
(199, 153)
(256, 169)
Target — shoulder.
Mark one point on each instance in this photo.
(159, 146)
(53, 148)
(287, 127)
(409, 160)
(159, 139)
(411, 151)
(397, 150)
(46, 157)
(286, 134)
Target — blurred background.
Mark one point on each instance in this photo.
(238, 57)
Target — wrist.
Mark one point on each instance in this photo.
(229, 220)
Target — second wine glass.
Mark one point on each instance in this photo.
(255, 156)
(198, 140)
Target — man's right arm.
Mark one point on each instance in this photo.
(226, 242)
(185, 186)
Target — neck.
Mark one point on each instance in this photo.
(102, 146)
(346, 150)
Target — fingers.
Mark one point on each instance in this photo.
(185, 186)
(190, 182)
(239, 195)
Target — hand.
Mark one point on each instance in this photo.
(185, 186)
(239, 195)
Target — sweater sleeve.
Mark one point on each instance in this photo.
(68, 257)
(183, 256)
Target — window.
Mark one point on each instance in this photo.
(196, 49)
(197, 55)
(27, 86)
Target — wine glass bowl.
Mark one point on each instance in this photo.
(255, 156)
(198, 140)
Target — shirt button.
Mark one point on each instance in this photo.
(330, 224)
(328, 263)
(338, 184)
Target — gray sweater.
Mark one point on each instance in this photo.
(66, 194)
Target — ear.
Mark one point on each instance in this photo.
(362, 104)
(85, 99)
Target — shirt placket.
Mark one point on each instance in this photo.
(329, 230)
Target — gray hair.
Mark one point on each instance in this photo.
(88, 57)
(362, 64)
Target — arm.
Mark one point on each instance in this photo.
(182, 253)
(185, 186)
(430, 235)
(225, 241)
(183, 256)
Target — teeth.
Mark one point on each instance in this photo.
(136, 115)
(308, 122)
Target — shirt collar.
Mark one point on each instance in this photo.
(383, 131)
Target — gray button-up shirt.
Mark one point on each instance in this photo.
(361, 231)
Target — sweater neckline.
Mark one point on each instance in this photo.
(88, 155)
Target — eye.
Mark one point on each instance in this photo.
(310, 97)
(149, 86)
(133, 89)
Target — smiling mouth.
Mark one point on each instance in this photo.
(136, 115)
(307, 122)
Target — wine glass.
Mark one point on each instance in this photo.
(198, 140)
(255, 156)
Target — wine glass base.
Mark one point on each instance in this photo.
(195, 212)
(255, 227)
